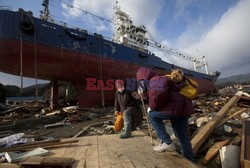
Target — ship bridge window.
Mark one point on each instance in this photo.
(139, 40)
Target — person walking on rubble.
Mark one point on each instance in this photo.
(165, 102)
(125, 102)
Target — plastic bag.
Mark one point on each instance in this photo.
(119, 124)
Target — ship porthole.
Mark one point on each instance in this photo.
(27, 27)
(125, 40)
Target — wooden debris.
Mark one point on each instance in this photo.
(203, 134)
(85, 128)
(55, 124)
(6, 132)
(232, 116)
(80, 132)
(27, 145)
(32, 146)
(8, 165)
(214, 150)
(13, 109)
(53, 113)
(70, 109)
(245, 145)
(48, 162)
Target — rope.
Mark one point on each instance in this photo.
(21, 56)
(86, 12)
(100, 73)
(35, 57)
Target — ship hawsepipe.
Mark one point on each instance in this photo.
(73, 55)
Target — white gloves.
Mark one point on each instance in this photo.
(140, 90)
(148, 110)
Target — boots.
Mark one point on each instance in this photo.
(127, 132)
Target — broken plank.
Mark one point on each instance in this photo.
(53, 113)
(203, 134)
(61, 123)
(214, 150)
(232, 116)
(80, 132)
(34, 160)
(48, 162)
(58, 161)
(8, 165)
(27, 145)
(13, 109)
(46, 145)
(84, 129)
(245, 144)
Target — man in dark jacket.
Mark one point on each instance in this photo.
(125, 102)
(165, 102)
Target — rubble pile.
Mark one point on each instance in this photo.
(227, 132)
(15, 112)
(27, 131)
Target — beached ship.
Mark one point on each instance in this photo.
(40, 48)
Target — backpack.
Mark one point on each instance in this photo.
(189, 89)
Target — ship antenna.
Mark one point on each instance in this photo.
(45, 12)
(116, 5)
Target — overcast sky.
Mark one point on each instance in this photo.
(218, 29)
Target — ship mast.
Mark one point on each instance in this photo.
(45, 12)
(198, 62)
